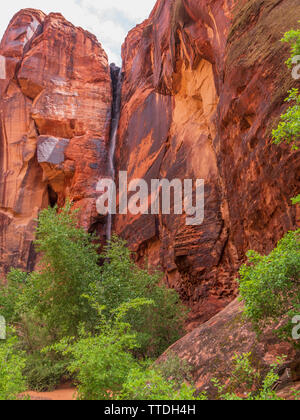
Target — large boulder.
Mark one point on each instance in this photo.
(210, 350)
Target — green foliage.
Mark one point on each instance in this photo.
(102, 363)
(246, 382)
(168, 380)
(53, 295)
(50, 303)
(175, 369)
(296, 200)
(44, 372)
(150, 384)
(269, 285)
(158, 326)
(12, 362)
(70, 293)
(292, 37)
(10, 295)
(288, 129)
(68, 266)
(296, 394)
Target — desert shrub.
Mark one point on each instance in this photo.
(12, 362)
(269, 286)
(176, 369)
(168, 380)
(44, 372)
(158, 326)
(150, 384)
(247, 383)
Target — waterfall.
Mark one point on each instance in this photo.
(116, 77)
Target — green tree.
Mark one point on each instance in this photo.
(63, 296)
(158, 326)
(269, 286)
(53, 296)
(101, 363)
(50, 303)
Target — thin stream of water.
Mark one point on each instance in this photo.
(116, 75)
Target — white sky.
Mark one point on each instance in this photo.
(109, 20)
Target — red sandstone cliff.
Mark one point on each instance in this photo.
(55, 107)
(204, 83)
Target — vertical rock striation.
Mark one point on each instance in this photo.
(204, 83)
(55, 110)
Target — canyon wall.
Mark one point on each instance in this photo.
(204, 83)
(55, 111)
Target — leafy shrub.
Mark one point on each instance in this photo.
(169, 380)
(151, 385)
(175, 369)
(269, 285)
(12, 362)
(102, 363)
(246, 382)
(288, 129)
(10, 295)
(158, 326)
(293, 38)
(44, 372)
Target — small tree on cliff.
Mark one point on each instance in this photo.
(288, 130)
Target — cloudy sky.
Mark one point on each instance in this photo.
(109, 20)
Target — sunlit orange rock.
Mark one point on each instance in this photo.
(204, 84)
(55, 109)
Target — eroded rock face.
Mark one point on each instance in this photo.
(210, 349)
(55, 120)
(204, 84)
